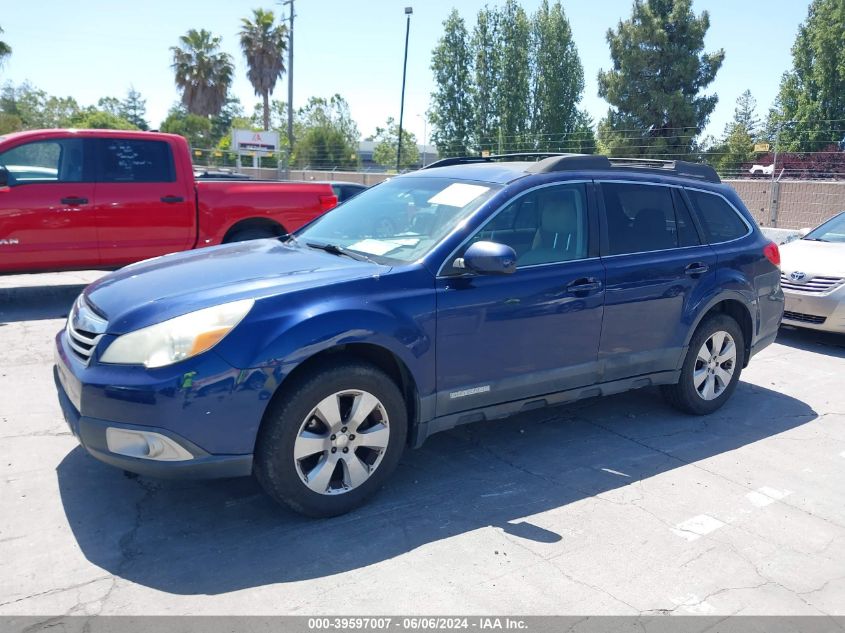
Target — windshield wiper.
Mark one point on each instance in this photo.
(334, 249)
(816, 239)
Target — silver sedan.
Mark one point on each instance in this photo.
(813, 278)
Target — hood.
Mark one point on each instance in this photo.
(164, 287)
(813, 258)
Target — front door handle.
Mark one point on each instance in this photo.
(698, 268)
(586, 284)
(172, 199)
(74, 201)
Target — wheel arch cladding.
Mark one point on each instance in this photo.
(736, 309)
(376, 355)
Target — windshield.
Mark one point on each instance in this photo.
(401, 219)
(831, 231)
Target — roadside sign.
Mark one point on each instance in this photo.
(255, 143)
(761, 147)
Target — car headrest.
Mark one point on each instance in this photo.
(559, 212)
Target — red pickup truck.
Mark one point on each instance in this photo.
(76, 199)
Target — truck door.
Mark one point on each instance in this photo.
(144, 208)
(47, 218)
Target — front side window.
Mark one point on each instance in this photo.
(721, 223)
(60, 160)
(401, 219)
(545, 226)
(126, 160)
(642, 218)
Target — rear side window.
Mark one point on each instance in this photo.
(642, 218)
(125, 160)
(61, 160)
(720, 221)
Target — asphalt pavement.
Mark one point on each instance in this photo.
(613, 506)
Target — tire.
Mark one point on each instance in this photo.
(296, 425)
(244, 235)
(699, 399)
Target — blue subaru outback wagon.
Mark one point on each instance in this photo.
(467, 291)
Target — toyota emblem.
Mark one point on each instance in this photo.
(797, 276)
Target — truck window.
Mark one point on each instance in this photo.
(125, 160)
(44, 162)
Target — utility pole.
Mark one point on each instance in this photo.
(290, 82)
(408, 12)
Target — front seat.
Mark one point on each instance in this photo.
(557, 238)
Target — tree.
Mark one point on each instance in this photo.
(196, 129)
(812, 95)
(387, 141)
(484, 46)
(557, 79)
(451, 109)
(93, 118)
(202, 72)
(513, 101)
(736, 146)
(745, 114)
(659, 70)
(133, 108)
(326, 135)
(5, 50)
(264, 44)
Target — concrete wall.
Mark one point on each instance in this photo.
(799, 203)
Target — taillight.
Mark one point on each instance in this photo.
(772, 253)
(328, 202)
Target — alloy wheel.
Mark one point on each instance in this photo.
(341, 442)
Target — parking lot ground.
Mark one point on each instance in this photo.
(609, 506)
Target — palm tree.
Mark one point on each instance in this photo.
(203, 72)
(264, 44)
(5, 50)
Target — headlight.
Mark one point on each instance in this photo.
(177, 339)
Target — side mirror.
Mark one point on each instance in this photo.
(490, 258)
(4, 176)
(803, 232)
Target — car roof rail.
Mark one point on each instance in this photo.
(557, 161)
(466, 160)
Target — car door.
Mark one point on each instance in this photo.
(657, 267)
(143, 209)
(47, 218)
(536, 331)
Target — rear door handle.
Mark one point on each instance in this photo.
(697, 268)
(172, 199)
(74, 201)
(585, 285)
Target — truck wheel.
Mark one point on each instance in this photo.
(332, 440)
(244, 235)
(711, 368)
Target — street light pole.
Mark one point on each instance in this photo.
(408, 12)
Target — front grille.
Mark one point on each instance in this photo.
(84, 330)
(813, 284)
(804, 318)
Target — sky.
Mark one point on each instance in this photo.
(100, 48)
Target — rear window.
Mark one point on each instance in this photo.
(125, 160)
(720, 221)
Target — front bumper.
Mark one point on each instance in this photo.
(210, 410)
(91, 434)
(824, 312)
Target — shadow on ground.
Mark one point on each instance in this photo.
(35, 303)
(221, 536)
(827, 343)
